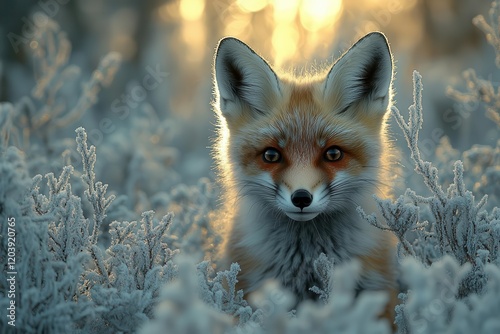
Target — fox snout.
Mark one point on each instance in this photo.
(302, 203)
(301, 198)
(301, 189)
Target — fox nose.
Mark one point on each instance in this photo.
(302, 198)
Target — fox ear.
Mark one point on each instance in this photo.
(362, 74)
(243, 80)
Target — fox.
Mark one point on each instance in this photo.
(295, 157)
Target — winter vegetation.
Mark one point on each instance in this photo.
(113, 200)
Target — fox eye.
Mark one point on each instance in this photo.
(271, 155)
(333, 154)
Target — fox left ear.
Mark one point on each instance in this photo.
(362, 74)
(245, 82)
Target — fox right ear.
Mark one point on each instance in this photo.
(363, 73)
(243, 80)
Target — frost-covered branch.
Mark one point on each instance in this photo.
(6, 114)
(50, 106)
(479, 89)
(102, 76)
(492, 28)
(96, 191)
(411, 131)
(457, 225)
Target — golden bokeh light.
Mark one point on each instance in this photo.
(252, 5)
(294, 36)
(194, 36)
(316, 14)
(192, 10)
(169, 12)
(286, 28)
(285, 42)
(285, 10)
(239, 25)
(286, 31)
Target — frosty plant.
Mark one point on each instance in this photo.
(458, 225)
(49, 107)
(479, 89)
(491, 29)
(96, 191)
(125, 281)
(482, 162)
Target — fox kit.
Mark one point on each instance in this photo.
(296, 157)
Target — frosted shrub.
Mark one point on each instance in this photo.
(65, 278)
(183, 310)
(457, 244)
(481, 161)
(459, 228)
(37, 119)
(479, 89)
(51, 238)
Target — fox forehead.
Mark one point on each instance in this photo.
(300, 130)
(301, 121)
(303, 128)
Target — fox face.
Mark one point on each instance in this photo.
(303, 148)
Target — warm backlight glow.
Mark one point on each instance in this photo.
(289, 29)
(285, 42)
(285, 10)
(252, 5)
(287, 32)
(191, 10)
(296, 20)
(194, 35)
(294, 36)
(316, 14)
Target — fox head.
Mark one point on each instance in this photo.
(303, 146)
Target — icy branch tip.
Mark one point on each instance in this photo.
(417, 77)
(81, 133)
(112, 58)
(81, 140)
